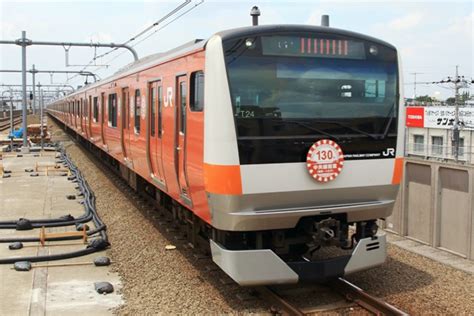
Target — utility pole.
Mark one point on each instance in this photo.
(33, 72)
(414, 84)
(456, 126)
(41, 116)
(23, 42)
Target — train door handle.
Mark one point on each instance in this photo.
(178, 148)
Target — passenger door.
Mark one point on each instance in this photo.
(81, 116)
(154, 152)
(125, 123)
(180, 137)
(102, 118)
(89, 116)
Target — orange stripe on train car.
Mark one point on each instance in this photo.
(222, 179)
(397, 171)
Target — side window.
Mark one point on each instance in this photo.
(86, 108)
(113, 110)
(137, 110)
(160, 110)
(96, 109)
(182, 93)
(197, 92)
(152, 103)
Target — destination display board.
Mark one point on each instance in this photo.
(312, 47)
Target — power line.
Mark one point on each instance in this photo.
(169, 14)
(157, 30)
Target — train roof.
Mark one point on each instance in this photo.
(155, 59)
(147, 62)
(293, 28)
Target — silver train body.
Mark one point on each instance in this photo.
(278, 195)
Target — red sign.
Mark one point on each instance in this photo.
(415, 116)
(324, 160)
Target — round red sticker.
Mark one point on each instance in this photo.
(325, 160)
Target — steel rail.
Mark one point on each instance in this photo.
(268, 293)
(349, 291)
(6, 125)
(365, 300)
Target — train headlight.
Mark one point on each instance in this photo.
(373, 50)
(250, 43)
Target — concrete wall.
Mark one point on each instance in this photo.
(436, 205)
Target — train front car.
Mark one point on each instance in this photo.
(302, 154)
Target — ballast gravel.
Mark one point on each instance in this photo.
(160, 281)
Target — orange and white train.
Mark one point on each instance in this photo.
(276, 147)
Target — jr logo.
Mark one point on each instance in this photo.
(389, 152)
(169, 97)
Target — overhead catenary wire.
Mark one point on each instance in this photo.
(168, 15)
(157, 30)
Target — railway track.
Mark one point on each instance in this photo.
(344, 288)
(5, 123)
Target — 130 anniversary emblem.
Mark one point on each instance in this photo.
(325, 160)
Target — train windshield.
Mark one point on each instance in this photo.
(311, 86)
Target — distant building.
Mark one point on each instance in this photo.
(429, 132)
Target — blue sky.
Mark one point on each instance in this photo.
(432, 36)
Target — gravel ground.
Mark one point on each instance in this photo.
(156, 280)
(419, 285)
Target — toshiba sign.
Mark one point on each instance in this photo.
(415, 116)
(439, 117)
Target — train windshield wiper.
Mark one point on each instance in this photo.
(354, 129)
(308, 127)
(390, 119)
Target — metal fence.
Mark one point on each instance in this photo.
(439, 152)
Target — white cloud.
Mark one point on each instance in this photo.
(462, 25)
(315, 17)
(9, 31)
(406, 22)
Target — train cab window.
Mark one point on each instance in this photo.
(182, 94)
(152, 109)
(137, 111)
(160, 109)
(196, 97)
(112, 107)
(95, 109)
